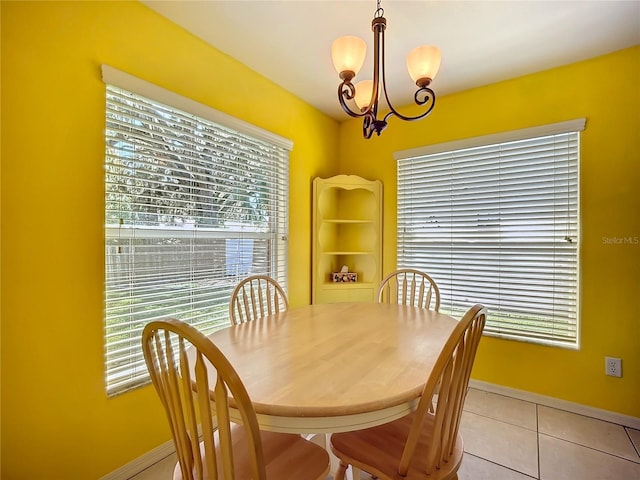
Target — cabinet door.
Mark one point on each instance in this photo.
(335, 295)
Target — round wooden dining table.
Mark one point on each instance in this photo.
(335, 367)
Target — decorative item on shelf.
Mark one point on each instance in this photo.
(348, 56)
(344, 276)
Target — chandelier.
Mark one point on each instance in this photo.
(348, 55)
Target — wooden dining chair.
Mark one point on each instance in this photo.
(408, 286)
(195, 407)
(255, 297)
(426, 444)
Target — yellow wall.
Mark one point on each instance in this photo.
(57, 422)
(606, 91)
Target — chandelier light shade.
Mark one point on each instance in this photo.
(362, 97)
(423, 64)
(348, 55)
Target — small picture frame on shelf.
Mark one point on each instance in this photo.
(344, 277)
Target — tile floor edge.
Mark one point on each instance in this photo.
(600, 414)
(141, 463)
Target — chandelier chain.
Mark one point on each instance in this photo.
(379, 10)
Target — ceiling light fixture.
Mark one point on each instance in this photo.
(348, 56)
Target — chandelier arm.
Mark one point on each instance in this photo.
(422, 96)
(384, 81)
(428, 98)
(346, 90)
(371, 123)
(378, 26)
(367, 126)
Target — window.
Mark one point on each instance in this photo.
(191, 207)
(494, 220)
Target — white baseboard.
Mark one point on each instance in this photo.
(136, 466)
(154, 456)
(600, 414)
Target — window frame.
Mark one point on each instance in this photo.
(406, 213)
(124, 368)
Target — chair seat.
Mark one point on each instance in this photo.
(378, 449)
(286, 457)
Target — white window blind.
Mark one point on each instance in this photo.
(497, 224)
(192, 207)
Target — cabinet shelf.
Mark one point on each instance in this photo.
(347, 230)
(345, 221)
(347, 285)
(347, 253)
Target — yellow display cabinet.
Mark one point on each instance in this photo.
(347, 232)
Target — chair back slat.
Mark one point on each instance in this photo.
(404, 286)
(410, 287)
(181, 360)
(449, 381)
(254, 289)
(249, 303)
(172, 383)
(189, 408)
(255, 297)
(207, 426)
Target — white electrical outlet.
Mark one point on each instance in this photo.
(613, 366)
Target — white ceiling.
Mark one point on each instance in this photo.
(481, 41)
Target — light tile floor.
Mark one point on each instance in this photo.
(510, 439)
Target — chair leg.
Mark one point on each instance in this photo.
(341, 471)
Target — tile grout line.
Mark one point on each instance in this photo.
(636, 448)
(501, 466)
(538, 441)
(501, 421)
(591, 448)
